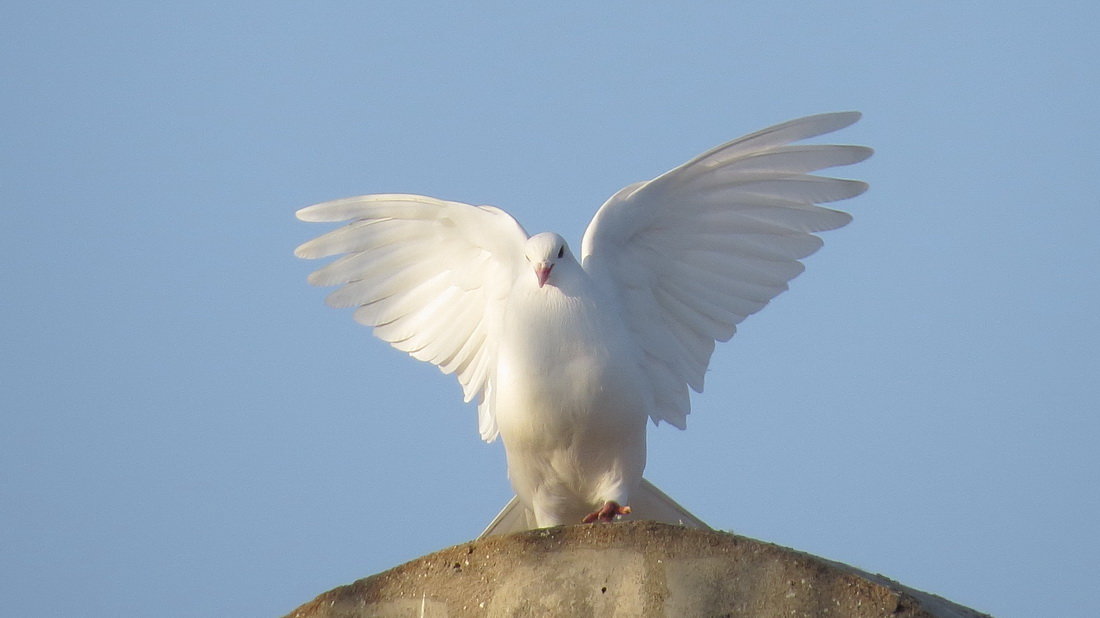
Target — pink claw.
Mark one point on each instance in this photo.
(607, 513)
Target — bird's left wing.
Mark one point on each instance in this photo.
(694, 251)
(430, 276)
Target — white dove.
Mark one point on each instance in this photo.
(565, 359)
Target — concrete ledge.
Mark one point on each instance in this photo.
(625, 569)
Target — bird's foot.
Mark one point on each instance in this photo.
(607, 513)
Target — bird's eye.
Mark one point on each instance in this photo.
(561, 252)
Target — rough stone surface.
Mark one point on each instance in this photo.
(625, 569)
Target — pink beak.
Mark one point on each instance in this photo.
(542, 271)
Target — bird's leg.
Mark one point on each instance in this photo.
(607, 513)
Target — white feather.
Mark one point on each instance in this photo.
(567, 362)
(417, 271)
(735, 220)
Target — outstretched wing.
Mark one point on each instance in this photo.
(430, 276)
(694, 251)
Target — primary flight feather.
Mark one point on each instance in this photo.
(567, 359)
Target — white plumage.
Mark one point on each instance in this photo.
(565, 359)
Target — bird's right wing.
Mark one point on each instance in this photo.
(430, 276)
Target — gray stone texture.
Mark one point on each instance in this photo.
(625, 569)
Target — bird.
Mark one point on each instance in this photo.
(567, 357)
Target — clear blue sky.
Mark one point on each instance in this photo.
(186, 430)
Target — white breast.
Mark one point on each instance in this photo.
(568, 399)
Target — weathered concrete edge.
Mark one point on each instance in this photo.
(595, 536)
(935, 604)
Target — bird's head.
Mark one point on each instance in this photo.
(543, 251)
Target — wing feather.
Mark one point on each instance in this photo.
(693, 252)
(430, 276)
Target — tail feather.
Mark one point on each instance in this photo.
(648, 503)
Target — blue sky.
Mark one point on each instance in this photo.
(186, 430)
